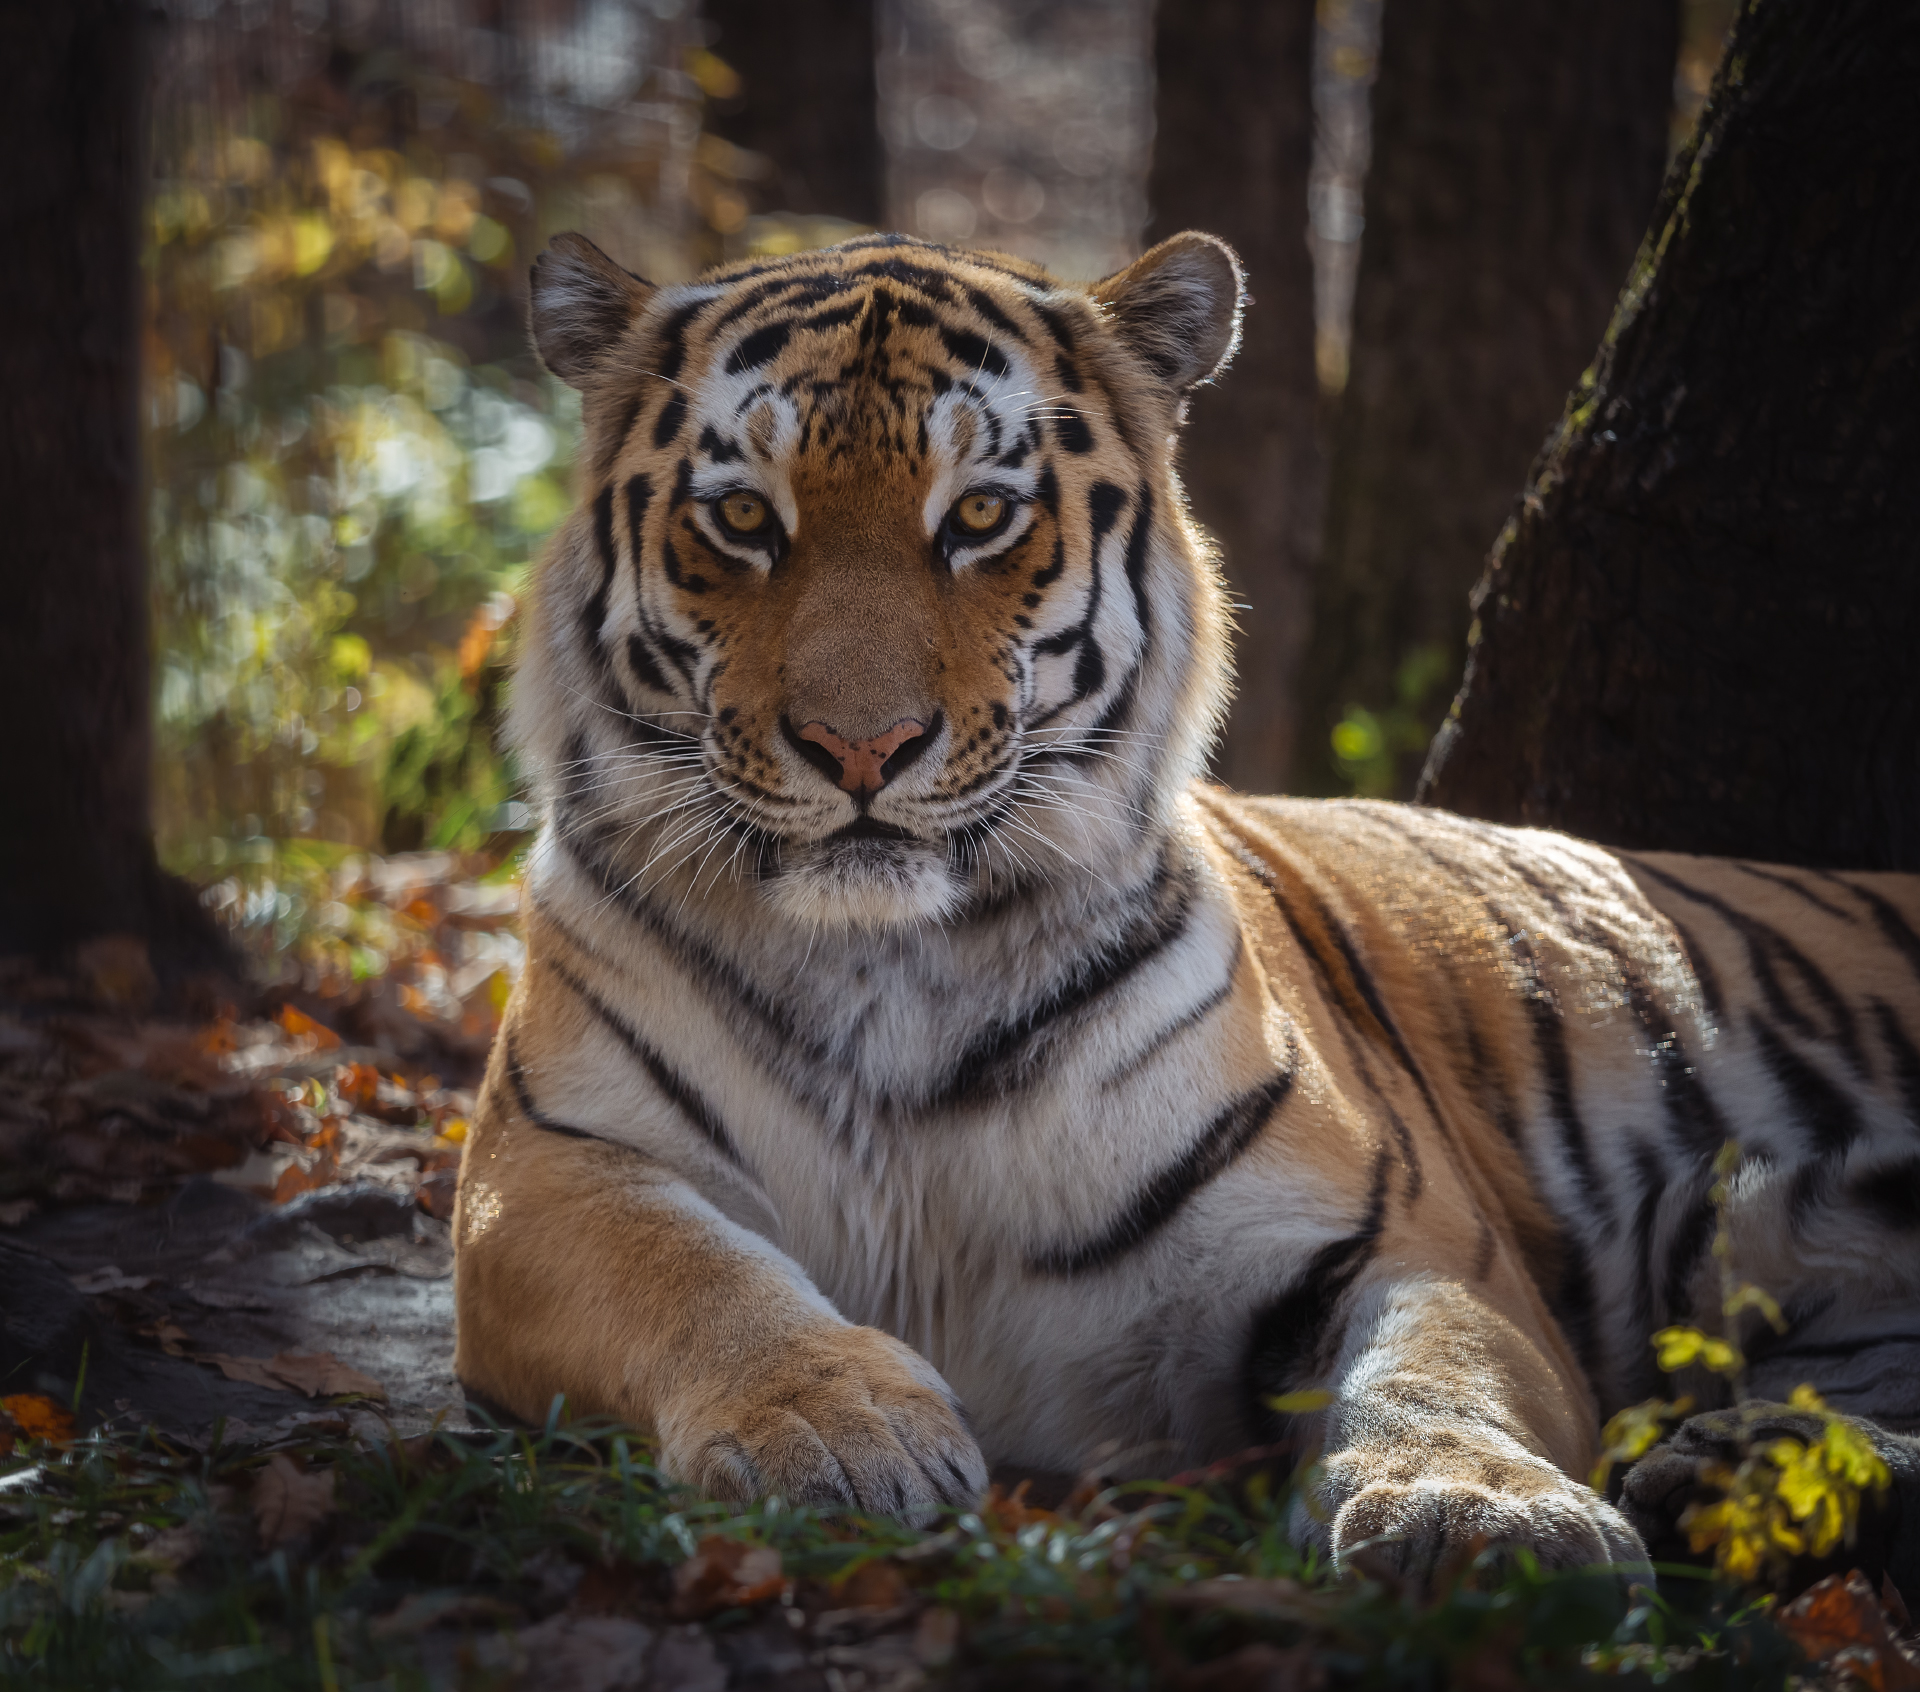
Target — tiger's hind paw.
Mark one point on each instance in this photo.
(1660, 1487)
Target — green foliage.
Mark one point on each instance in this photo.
(1377, 752)
(353, 454)
(131, 1562)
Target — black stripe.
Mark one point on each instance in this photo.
(1543, 1014)
(1890, 923)
(1104, 504)
(726, 986)
(1137, 538)
(1652, 1178)
(1691, 1113)
(1891, 1192)
(998, 1057)
(1906, 1060)
(985, 304)
(1792, 886)
(1357, 993)
(668, 1079)
(1071, 431)
(595, 611)
(1691, 1237)
(1822, 1108)
(1765, 942)
(1702, 970)
(523, 1097)
(763, 346)
(1157, 1203)
(1159, 1042)
(672, 415)
(974, 351)
(617, 439)
(1289, 1336)
(1572, 1304)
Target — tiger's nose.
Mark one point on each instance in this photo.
(859, 767)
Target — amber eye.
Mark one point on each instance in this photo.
(743, 513)
(979, 513)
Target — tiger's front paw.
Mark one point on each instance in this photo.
(836, 1415)
(1417, 1528)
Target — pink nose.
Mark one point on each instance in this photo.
(861, 761)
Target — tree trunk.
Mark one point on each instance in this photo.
(1702, 630)
(807, 102)
(1233, 138)
(1517, 152)
(76, 854)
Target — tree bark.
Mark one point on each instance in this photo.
(807, 102)
(1233, 139)
(76, 854)
(1517, 152)
(1702, 629)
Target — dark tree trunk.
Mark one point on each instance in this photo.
(76, 854)
(1702, 631)
(807, 102)
(1517, 152)
(1233, 137)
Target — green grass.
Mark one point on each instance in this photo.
(1132, 1586)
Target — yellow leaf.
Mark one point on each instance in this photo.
(1302, 1403)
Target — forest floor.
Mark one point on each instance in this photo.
(233, 1452)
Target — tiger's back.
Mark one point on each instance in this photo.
(1615, 1019)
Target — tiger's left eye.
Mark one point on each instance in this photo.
(743, 513)
(979, 513)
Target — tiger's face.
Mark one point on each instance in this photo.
(882, 596)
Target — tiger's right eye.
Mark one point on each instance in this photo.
(743, 513)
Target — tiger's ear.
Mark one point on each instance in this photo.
(581, 303)
(1178, 307)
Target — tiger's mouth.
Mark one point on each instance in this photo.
(871, 828)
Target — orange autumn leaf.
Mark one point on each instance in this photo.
(294, 1180)
(1010, 1511)
(357, 1083)
(723, 1574)
(303, 1027)
(1839, 1621)
(38, 1417)
(873, 1585)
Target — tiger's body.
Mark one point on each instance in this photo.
(1024, 1069)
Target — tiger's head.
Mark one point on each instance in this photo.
(881, 598)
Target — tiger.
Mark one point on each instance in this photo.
(921, 1069)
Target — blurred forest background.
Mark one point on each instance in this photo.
(353, 458)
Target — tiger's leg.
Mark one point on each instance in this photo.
(1659, 1488)
(584, 1268)
(1453, 1430)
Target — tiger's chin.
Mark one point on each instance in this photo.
(839, 883)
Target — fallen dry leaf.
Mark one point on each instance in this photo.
(1838, 1622)
(38, 1417)
(255, 1371)
(873, 1585)
(288, 1504)
(302, 1027)
(319, 1374)
(723, 1574)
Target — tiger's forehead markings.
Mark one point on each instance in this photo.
(865, 387)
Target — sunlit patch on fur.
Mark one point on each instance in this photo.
(840, 884)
